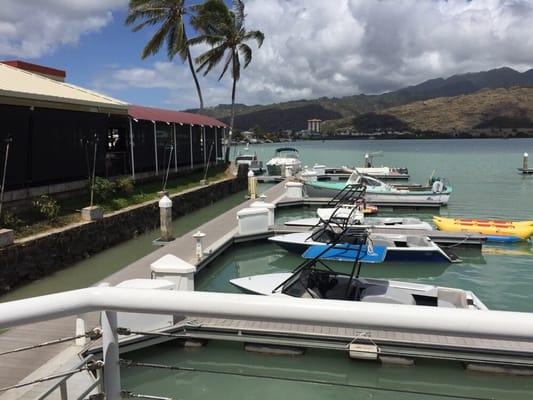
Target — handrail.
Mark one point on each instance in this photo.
(504, 324)
(64, 379)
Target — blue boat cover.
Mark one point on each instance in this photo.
(347, 252)
(504, 239)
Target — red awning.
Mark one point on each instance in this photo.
(162, 115)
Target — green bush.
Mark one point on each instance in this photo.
(47, 207)
(117, 204)
(103, 188)
(10, 220)
(124, 185)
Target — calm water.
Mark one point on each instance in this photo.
(486, 184)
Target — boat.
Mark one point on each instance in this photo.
(345, 214)
(381, 193)
(314, 279)
(495, 230)
(251, 160)
(324, 173)
(399, 247)
(284, 157)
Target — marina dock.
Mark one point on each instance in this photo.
(221, 233)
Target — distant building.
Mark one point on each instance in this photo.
(313, 125)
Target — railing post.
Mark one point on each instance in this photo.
(112, 385)
(63, 390)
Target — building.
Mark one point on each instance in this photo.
(313, 125)
(54, 128)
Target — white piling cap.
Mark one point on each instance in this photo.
(263, 197)
(250, 174)
(367, 155)
(165, 202)
(198, 235)
(526, 155)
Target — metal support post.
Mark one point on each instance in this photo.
(112, 385)
(131, 150)
(155, 149)
(190, 134)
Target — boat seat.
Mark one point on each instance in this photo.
(386, 294)
(451, 298)
(415, 241)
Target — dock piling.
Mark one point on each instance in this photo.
(199, 236)
(525, 166)
(165, 214)
(252, 185)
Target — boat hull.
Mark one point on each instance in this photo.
(390, 198)
(297, 243)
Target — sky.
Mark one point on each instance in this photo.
(312, 48)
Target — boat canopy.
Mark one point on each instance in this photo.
(347, 252)
(282, 149)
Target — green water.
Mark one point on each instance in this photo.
(486, 184)
(222, 370)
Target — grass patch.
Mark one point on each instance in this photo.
(31, 221)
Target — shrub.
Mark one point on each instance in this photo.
(103, 188)
(117, 204)
(47, 207)
(124, 185)
(10, 220)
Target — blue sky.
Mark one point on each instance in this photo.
(313, 48)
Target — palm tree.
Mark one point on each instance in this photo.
(223, 29)
(169, 14)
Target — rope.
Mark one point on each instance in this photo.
(467, 236)
(94, 334)
(129, 395)
(91, 366)
(131, 363)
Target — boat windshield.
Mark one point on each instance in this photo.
(244, 158)
(321, 283)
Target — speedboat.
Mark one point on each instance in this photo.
(399, 247)
(324, 173)
(345, 215)
(284, 157)
(379, 192)
(316, 280)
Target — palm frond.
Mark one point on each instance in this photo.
(236, 70)
(246, 52)
(258, 36)
(177, 41)
(209, 59)
(238, 12)
(227, 63)
(155, 43)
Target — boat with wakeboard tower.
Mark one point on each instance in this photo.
(314, 279)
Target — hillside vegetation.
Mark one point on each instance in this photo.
(495, 89)
(496, 108)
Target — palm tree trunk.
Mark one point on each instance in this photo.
(232, 101)
(193, 72)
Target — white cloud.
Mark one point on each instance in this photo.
(319, 48)
(33, 28)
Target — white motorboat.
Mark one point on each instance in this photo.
(351, 215)
(285, 158)
(318, 281)
(378, 192)
(399, 247)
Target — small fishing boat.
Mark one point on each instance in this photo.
(314, 279)
(346, 215)
(324, 173)
(497, 231)
(381, 193)
(398, 247)
(284, 157)
(251, 160)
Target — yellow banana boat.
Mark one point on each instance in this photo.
(499, 231)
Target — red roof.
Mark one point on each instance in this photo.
(162, 115)
(36, 68)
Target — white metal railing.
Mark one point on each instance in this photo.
(109, 300)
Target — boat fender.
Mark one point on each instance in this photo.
(437, 187)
